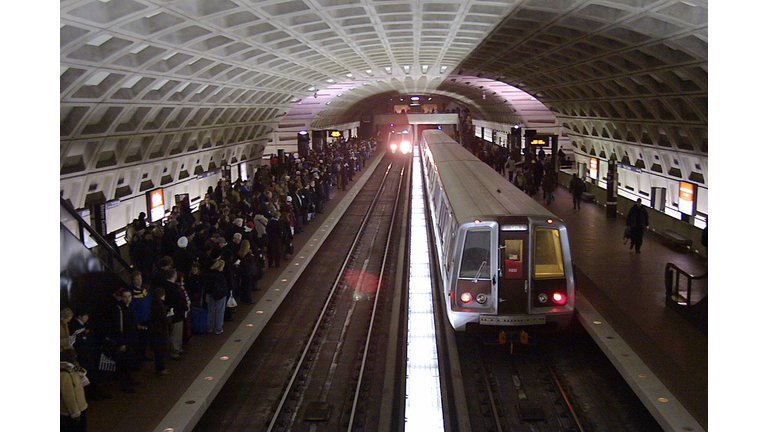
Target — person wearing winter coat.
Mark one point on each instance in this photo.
(122, 338)
(275, 239)
(159, 330)
(247, 272)
(637, 220)
(576, 187)
(216, 294)
(548, 185)
(176, 298)
(73, 402)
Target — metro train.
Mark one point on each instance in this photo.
(401, 139)
(504, 259)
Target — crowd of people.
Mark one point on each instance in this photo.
(191, 268)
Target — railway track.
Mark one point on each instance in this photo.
(553, 383)
(318, 364)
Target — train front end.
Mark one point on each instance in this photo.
(512, 271)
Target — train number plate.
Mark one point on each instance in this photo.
(513, 320)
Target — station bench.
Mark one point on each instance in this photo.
(587, 197)
(675, 239)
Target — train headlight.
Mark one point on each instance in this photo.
(543, 298)
(393, 147)
(466, 297)
(482, 298)
(405, 147)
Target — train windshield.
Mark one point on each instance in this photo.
(476, 256)
(549, 254)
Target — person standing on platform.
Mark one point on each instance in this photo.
(73, 402)
(159, 330)
(216, 294)
(140, 304)
(548, 185)
(177, 300)
(510, 167)
(576, 188)
(123, 336)
(637, 220)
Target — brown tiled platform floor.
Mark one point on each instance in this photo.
(628, 289)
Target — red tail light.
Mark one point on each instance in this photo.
(559, 298)
(466, 297)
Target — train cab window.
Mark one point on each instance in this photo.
(476, 255)
(549, 254)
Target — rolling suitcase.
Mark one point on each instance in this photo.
(198, 317)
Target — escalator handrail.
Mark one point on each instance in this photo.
(685, 273)
(94, 234)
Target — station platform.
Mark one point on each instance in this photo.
(175, 402)
(622, 290)
(621, 301)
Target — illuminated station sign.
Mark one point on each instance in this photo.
(687, 202)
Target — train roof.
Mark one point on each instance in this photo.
(474, 189)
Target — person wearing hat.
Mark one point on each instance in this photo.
(158, 274)
(183, 257)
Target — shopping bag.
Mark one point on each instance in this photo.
(106, 363)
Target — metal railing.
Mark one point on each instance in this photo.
(677, 294)
(91, 239)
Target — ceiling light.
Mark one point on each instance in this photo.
(407, 69)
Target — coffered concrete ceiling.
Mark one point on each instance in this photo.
(145, 80)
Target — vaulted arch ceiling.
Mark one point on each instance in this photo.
(150, 80)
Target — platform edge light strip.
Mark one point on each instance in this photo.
(423, 405)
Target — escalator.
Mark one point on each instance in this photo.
(91, 268)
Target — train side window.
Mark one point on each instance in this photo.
(549, 254)
(476, 255)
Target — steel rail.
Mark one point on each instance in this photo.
(565, 398)
(336, 283)
(375, 303)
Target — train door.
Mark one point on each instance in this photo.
(513, 278)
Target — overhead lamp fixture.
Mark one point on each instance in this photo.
(424, 68)
(415, 98)
(407, 68)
